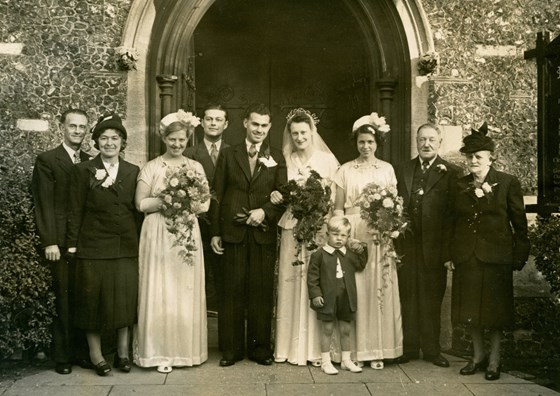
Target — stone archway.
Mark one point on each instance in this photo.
(159, 31)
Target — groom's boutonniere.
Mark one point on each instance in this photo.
(267, 160)
(441, 168)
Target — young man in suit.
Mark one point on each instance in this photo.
(50, 185)
(425, 183)
(214, 122)
(243, 223)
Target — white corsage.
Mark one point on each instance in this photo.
(268, 161)
(100, 174)
(478, 192)
(420, 191)
(441, 168)
(107, 182)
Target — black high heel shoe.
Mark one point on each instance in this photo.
(102, 368)
(122, 364)
(473, 367)
(492, 375)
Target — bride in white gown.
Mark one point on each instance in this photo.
(297, 328)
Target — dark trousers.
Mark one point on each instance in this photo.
(68, 342)
(421, 288)
(248, 270)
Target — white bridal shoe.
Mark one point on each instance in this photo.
(350, 366)
(164, 369)
(376, 364)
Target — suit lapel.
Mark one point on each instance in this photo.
(434, 174)
(202, 156)
(466, 184)
(63, 159)
(265, 151)
(242, 159)
(409, 174)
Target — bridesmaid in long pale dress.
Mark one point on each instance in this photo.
(172, 327)
(297, 328)
(378, 317)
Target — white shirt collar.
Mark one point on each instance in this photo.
(257, 145)
(208, 144)
(330, 250)
(70, 151)
(431, 161)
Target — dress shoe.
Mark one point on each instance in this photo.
(401, 360)
(84, 363)
(328, 368)
(63, 368)
(226, 361)
(264, 361)
(440, 361)
(122, 364)
(350, 366)
(473, 367)
(492, 375)
(102, 368)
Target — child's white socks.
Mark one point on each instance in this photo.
(326, 364)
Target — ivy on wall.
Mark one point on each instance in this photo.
(500, 90)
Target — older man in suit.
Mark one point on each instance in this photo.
(50, 185)
(425, 183)
(214, 122)
(243, 223)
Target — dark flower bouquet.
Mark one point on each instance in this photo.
(382, 209)
(310, 200)
(184, 197)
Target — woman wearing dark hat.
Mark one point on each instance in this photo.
(489, 242)
(103, 230)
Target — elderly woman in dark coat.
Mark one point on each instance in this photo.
(489, 242)
(103, 230)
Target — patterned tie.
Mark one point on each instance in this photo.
(252, 151)
(214, 153)
(425, 166)
(76, 159)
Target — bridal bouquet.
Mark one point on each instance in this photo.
(310, 199)
(382, 209)
(183, 197)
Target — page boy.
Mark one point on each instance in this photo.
(332, 290)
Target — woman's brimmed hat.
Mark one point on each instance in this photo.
(185, 118)
(108, 121)
(378, 123)
(478, 141)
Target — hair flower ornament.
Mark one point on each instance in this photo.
(377, 122)
(185, 117)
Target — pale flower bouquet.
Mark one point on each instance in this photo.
(383, 211)
(183, 198)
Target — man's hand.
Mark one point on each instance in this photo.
(318, 301)
(276, 197)
(449, 265)
(52, 253)
(256, 217)
(216, 244)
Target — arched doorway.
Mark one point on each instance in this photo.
(341, 59)
(162, 31)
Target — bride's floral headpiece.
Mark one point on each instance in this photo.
(300, 110)
(378, 123)
(186, 118)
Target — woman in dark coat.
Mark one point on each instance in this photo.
(489, 242)
(103, 230)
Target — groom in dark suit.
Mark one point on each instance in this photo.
(243, 223)
(50, 185)
(425, 183)
(214, 122)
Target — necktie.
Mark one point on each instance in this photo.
(213, 153)
(425, 166)
(339, 255)
(76, 159)
(252, 151)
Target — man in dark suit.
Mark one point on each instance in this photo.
(425, 183)
(50, 185)
(243, 223)
(214, 122)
